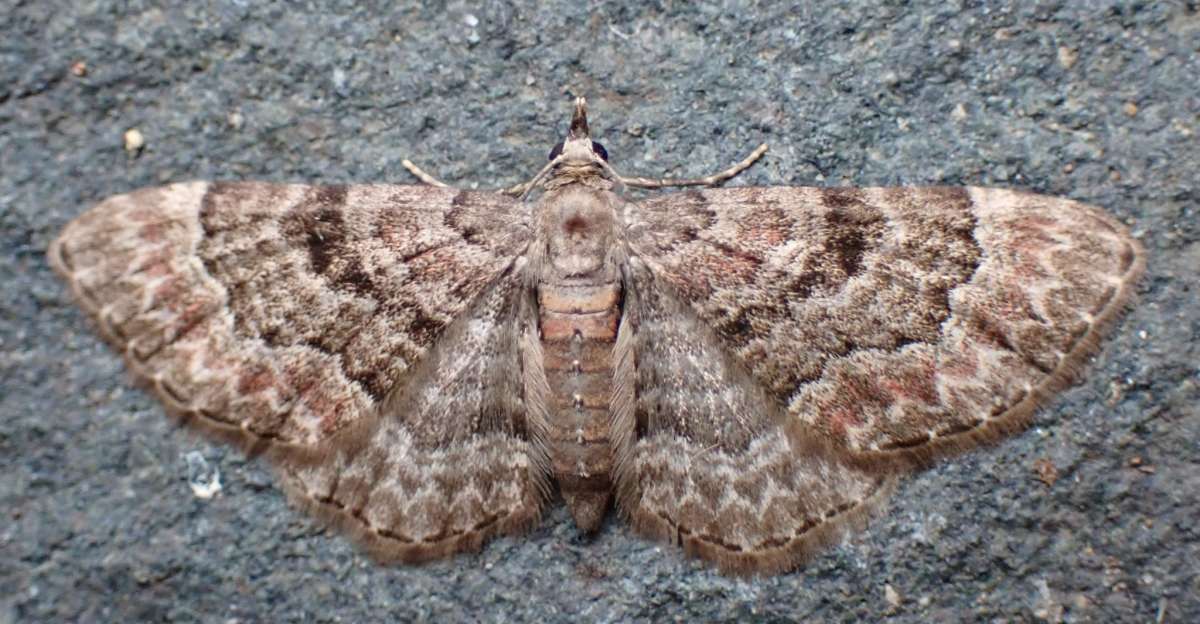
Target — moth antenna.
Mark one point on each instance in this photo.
(612, 173)
(422, 175)
(537, 179)
(712, 180)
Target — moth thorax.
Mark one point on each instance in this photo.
(580, 234)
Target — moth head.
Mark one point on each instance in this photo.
(578, 146)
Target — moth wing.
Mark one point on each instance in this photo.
(319, 322)
(896, 324)
(703, 458)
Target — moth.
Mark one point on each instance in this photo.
(744, 372)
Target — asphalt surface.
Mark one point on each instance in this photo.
(1089, 516)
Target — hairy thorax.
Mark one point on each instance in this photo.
(579, 303)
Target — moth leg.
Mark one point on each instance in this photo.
(712, 180)
(421, 175)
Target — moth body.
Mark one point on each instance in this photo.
(579, 310)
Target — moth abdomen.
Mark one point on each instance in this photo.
(578, 323)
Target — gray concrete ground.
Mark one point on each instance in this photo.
(1095, 100)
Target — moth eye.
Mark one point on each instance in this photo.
(556, 151)
(600, 151)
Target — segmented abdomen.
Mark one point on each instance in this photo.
(578, 328)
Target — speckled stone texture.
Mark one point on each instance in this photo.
(1089, 516)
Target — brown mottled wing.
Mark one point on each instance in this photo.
(880, 327)
(703, 459)
(357, 333)
(898, 324)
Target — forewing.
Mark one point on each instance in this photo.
(365, 336)
(283, 313)
(897, 324)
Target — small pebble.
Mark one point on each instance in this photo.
(134, 141)
(1067, 57)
